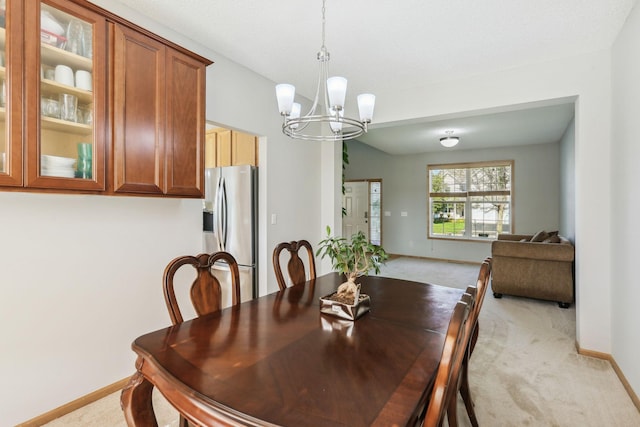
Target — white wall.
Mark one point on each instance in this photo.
(404, 189)
(625, 198)
(81, 275)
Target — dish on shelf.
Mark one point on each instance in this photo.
(56, 161)
(50, 24)
(52, 39)
(63, 173)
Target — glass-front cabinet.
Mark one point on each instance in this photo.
(3, 93)
(11, 45)
(66, 93)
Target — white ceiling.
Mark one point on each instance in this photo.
(419, 41)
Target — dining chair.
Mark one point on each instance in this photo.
(478, 292)
(448, 369)
(295, 266)
(205, 292)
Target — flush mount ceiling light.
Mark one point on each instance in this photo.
(449, 141)
(327, 124)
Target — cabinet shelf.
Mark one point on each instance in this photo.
(53, 87)
(50, 123)
(53, 56)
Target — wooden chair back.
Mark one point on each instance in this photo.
(481, 285)
(449, 368)
(295, 266)
(205, 292)
(478, 292)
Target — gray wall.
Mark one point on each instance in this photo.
(404, 189)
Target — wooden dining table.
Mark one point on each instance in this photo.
(276, 360)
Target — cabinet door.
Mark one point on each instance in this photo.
(243, 149)
(139, 113)
(65, 96)
(210, 160)
(11, 45)
(184, 133)
(223, 147)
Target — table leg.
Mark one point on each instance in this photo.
(136, 403)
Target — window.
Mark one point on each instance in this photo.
(375, 225)
(471, 200)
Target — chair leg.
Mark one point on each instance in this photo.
(465, 392)
(452, 411)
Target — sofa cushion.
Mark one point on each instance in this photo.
(540, 236)
(554, 238)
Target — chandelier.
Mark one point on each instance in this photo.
(326, 120)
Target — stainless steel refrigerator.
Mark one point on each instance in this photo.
(230, 224)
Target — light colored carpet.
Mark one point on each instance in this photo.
(525, 370)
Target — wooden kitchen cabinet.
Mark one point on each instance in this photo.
(34, 138)
(223, 147)
(52, 135)
(11, 47)
(138, 123)
(158, 118)
(243, 149)
(226, 147)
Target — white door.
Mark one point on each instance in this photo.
(355, 202)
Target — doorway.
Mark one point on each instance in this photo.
(362, 205)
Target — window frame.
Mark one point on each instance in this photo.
(467, 197)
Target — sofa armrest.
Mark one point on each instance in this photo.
(533, 250)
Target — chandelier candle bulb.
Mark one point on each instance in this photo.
(285, 94)
(336, 126)
(337, 89)
(366, 102)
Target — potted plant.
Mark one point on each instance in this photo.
(353, 258)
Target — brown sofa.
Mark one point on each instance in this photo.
(540, 269)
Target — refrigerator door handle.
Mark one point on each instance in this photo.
(224, 216)
(219, 215)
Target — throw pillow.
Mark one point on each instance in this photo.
(540, 236)
(552, 239)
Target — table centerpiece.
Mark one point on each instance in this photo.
(354, 258)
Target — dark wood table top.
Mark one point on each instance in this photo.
(277, 360)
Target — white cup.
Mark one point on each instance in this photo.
(64, 75)
(83, 80)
